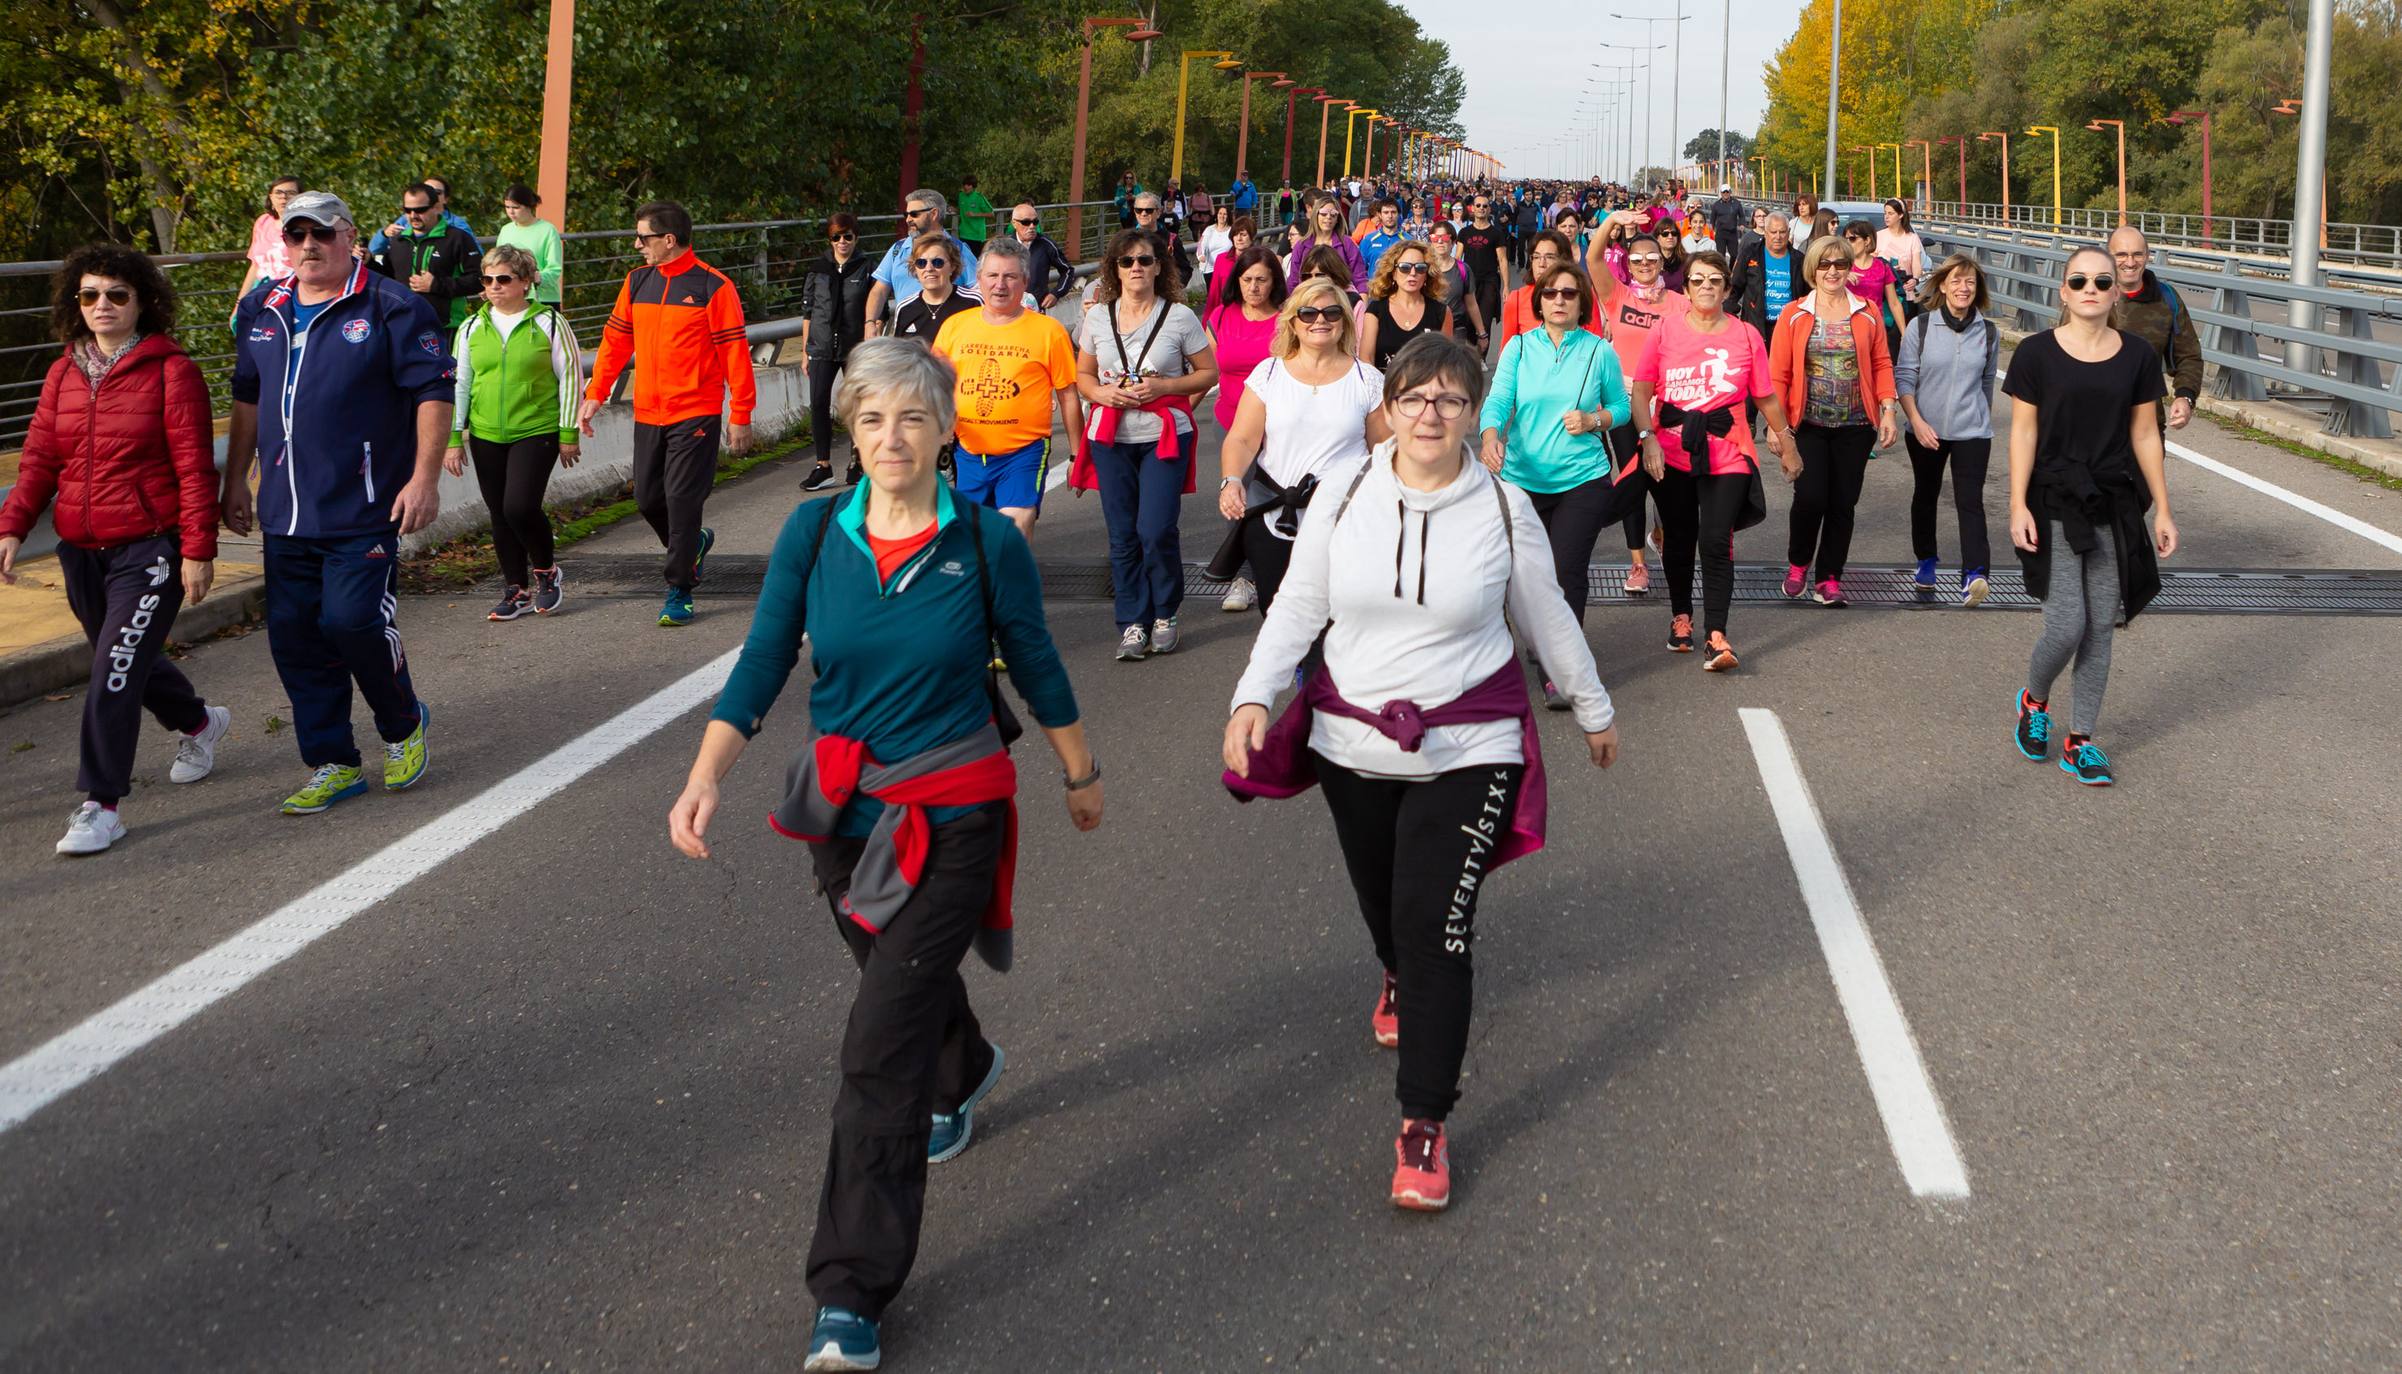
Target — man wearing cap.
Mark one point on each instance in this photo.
(1726, 220)
(342, 395)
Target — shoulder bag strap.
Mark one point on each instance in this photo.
(1353, 489)
(1005, 720)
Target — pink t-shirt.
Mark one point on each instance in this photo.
(1706, 372)
(267, 248)
(1242, 345)
(1869, 283)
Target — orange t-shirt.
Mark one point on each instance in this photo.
(1009, 375)
(892, 553)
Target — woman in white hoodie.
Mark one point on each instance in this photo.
(1418, 725)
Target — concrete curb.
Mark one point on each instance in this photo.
(66, 662)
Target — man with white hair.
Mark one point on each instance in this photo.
(923, 212)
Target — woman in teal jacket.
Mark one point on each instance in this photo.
(1557, 393)
(520, 377)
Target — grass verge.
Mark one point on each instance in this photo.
(2324, 459)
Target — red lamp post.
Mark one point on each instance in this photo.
(2005, 138)
(1242, 137)
(2203, 117)
(1962, 140)
(2097, 126)
(1134, 31)
(1292, 95)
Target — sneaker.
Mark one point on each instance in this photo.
(1552, 700)
(1659, 538)
(1974, 588)
(1385, 1022)
(514, 602)
(819, 478)
(2083, 760)
(700, 561)
(331, 783)
(1422, 1167)
(1240, 595)
(1638, 580)
(2034, 727)
(1680, 634)
(1797, 577)
(404, 763)
(1164, 638)
(852, 474)
(677, 608)
(548, 591)
(1722, 654)
(952, 1129)
(842, 1339)
(1924, 579)
(91, 829)
(1133, 644)
(196, 753)
(1829, 593)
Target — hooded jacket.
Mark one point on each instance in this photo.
(127, 461)
(338, 405)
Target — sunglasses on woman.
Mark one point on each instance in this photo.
(117, 295)
(921, 264)
(846, 236)
(1319, 314)
(499, 279)
(1833, 262)
(1561, 293)
(1417, 268)
(2078, 281)
(1138, 260)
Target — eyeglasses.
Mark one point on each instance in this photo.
(2078, 281)
(1024, 223)
(302, 233)
(1642, 257)
(1561, 293)
(1319, 314)
(117, 295)
(1413, 405)
(416, 209)
(501, 279)
(846, 236)
(1415, 267)
(921, 264)
(1138, 260)
(1696, 283)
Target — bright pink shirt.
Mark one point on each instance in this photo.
(1706, 372)
(267, 248)
(1869, 283)
(1242, 344)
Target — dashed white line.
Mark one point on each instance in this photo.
(77, 1056)
(1897, 1076)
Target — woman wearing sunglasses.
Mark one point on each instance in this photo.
(1141, 357)
(539, 237)
(1835, 377)
(2085, 463)
(1410, 570)
(834, 295)
(1638, 298)
(1325, 221)
(1400, 304)
(519, 378)
(118, 453)
(1450, 281)
(935, 262)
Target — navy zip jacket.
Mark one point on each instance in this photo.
(338, 425)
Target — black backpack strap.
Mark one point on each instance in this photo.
(817, 545)
(1005, 720)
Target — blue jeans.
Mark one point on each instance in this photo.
(1140, 496)
(331, 606)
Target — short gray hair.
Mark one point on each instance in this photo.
(942, 207)
(1006, 247)
(514, 258)
(887, 365)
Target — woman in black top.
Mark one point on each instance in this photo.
(2085, 463)
(1399, 305)
(940, 296)
(833, 321)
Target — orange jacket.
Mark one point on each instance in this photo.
(1788, 356)
(683, 319)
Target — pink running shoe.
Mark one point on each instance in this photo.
(1385, 1021)
(1829, 593)
(1797, 578)
(1638, 579)
(1422, 1168)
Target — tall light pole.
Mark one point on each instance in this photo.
(1676, 74)
(1726, 29)
(2188, 116)
(2054, 131)
(1962, 140)
(1926, 166)
(1326, 104)
(558, 109)
(1242, 137)
(2310, 179)
(1184, 73)
(1292, 95)
(1897, 167)
(2005, 138)
(2121, 125)
(1348, 126)
(1134, 31)
(1834, 87)
(1634, 165)
(1869, 149)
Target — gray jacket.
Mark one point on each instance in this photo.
(1951, 372)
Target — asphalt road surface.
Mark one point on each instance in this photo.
(505, 1083)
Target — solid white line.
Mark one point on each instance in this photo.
(1897, 1076)
(37, 1079)
(2330, 514)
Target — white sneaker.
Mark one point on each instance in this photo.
(1240, 596)
(196, 755)
(91, 829)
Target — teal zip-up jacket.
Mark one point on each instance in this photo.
(1535, 385)
(900, 661)
(515, 388)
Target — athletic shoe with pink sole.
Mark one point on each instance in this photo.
(1385, 1021)
(1638, 579)
(1422, 1167)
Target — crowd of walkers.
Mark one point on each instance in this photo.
(1468, 383)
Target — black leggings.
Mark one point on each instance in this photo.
(1834, 466)
(1418, 854)
(1574, 519)
(1268, 556)
(1967, 458)
(1700, 512)
(514, 477)
(1635, 523)
(821, 407)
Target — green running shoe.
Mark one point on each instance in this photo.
(329, 784)
(404, 763)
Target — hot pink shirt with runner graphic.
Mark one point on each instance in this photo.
(1705, 372)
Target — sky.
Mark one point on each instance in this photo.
(1526, 75)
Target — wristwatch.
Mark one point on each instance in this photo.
(1079, 784)
(1225, 482)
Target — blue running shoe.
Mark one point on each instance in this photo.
(2034, 728)
(700, 560)
(1974, 587)
(842, 1339)
(952, 1129)
(677, 609)
(1925, 579)
(2084, 760)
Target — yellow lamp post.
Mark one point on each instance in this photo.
(1897, 168)
(1926, 165)
(1184, 74)
(2004, 136)
(2054, 131)
(1348, 126)
(1872, 165)
(2121, 125)
(1326, 104)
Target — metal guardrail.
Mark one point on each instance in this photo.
(2370, 245)
(2348, 364)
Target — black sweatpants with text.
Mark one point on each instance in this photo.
(1418, 854)
(125, 596)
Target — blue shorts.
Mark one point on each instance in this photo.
(1007, 481)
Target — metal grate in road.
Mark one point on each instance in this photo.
(2184, 591)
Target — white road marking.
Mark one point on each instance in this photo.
(75, 1057)
(1897, 1076)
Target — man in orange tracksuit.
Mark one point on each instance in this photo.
(683, 320)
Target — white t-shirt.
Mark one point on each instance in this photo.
(1215, 243)
(1180, 338)
(1312, 429)
(507, 324)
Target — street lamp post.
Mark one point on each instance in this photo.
(1897, 169)
(2054, 131)
(1348, 126)
(1676, 74)
(1242, 137)
(1326, 104)
(2203, 116)
(1869, 149)
(1134, 31)
(1926, 165)
(1224, 61)
(1292, 95)
(1834, 90)
(2121, 125)
(1962, 140)
(2004, 136)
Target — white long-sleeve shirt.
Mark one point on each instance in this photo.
(1409, 588)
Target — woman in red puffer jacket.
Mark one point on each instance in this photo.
(119, 454)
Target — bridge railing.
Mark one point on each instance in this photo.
(2369, 245)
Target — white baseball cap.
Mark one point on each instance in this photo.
(318, 207)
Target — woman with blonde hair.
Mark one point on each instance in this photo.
(520, 377)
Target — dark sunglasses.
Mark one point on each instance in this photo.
(929, 262)
(640, 237)
(1417, 267)
(2078, 281)
(1832, 261)
(503, 279)
(1314, 314)
(846, 236)
(1024, 223)
(117, 295)
(1138, 260)
(1146, 209)
(416, 209)
(921, 210)
(1561, 293)
(323, 233)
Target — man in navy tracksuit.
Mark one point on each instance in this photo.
(342, 393)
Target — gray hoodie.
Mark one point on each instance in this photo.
(1951, 372)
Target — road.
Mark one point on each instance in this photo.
(553, 1097)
